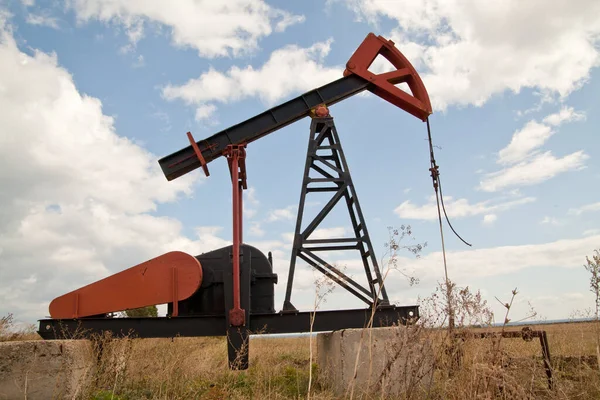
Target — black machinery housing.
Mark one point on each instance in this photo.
(210, 297)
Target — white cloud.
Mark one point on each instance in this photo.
(256, 230)
(574, 296)
(468, 51)
(591, 232)
(268, 245)
(72, 189)
(251, 203)
(456, 208)
(503, 260)
(530, 137)
(328, 233)
(489, 219)
(249, 212)
(271, 82)
(524, 163)
(139, 62)
(251, 196)
(532, 171)
(586, 208)
(282, 214)
(534, 134)
(550, 221)
(42, 20)
(213, 28)
(566, 114)
(288, 20)
(205, 111)
(288, 237)
(381, 65)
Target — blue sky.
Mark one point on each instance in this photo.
(94, 92)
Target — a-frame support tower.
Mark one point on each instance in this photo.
(326, 157)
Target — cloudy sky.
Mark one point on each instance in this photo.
(94, 92)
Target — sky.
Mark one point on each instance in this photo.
(94, 92)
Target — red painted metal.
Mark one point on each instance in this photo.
(198, 153)
(236, 158)
(171, 277)
(319, 111)
(240, 215)
(210, 147)
(174, 299)
(418, 104)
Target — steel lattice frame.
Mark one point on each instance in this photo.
(335, 176)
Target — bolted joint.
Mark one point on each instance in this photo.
(237, 316)
(320, 111)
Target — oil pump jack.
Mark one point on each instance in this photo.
(230, 291)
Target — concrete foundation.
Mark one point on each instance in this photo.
(39, 369)
(375, 363)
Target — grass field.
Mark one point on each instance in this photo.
(196, 368)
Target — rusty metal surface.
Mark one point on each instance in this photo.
(174, 275)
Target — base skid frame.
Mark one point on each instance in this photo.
(190, 326)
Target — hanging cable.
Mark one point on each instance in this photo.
(446, 215)
(435, 176)
(437, 183)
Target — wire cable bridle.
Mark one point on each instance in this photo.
(435, 176)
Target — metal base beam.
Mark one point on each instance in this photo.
(282, 322)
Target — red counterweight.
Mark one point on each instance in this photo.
(171, 277)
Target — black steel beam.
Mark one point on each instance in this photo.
(326, 241)
(322, 189)
(339, 277)
(290, 322)
(282, 322)
(185, 160)
(332, 248)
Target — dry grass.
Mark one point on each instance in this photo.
(281, 368)
(9, 332)
(512, 368)
(196, 368)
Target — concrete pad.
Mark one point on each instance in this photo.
(38, 369)
(379, 362)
